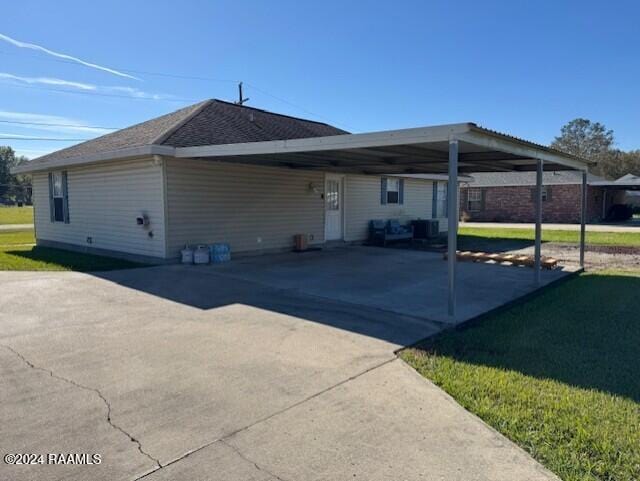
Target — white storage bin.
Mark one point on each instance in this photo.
(187, 255)
(201, 255)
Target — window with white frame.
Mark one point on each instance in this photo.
(393, 191)
(474, 200)
(441, 200)
(58, 196)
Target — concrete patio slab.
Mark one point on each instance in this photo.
(413, 283)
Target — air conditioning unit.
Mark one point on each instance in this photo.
(433, 228)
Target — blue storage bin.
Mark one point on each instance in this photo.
(220, 252)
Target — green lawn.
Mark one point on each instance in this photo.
(16, 237)
(558, 375)
(16, 215)
(15, 256)
(594, 238)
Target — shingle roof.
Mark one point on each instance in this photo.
(137, 135)
(225, 123)
(205, 123)
(504, 179)
(628, 179)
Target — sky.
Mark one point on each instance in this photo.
(520, 67)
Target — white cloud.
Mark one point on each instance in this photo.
(48, 81)
(86, 87)
(32, 154)
(137, 93)
(12, 136)
(39, 48)
(68, 125)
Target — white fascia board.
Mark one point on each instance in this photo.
(440, 133)
(501, 143)
(121, 154)
(612, 183)
(431, 177)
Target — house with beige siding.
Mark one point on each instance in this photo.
(129, 194)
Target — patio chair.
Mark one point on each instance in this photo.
(381, 232)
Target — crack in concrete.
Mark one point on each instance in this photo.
(86, 388)
(272, 415)
(257, 466)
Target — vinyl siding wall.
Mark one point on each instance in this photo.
(104, 202)
(257, 208)
(363, 204)
(252, 208)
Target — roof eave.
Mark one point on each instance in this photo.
(119, 154)
(497, 141)
(438, 133)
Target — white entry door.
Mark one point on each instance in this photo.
(333, 205)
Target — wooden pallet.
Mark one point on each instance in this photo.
(515, 259)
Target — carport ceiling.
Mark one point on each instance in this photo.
(422, 150)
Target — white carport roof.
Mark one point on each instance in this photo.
(423, 150)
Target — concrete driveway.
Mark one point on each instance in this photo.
(191, 373)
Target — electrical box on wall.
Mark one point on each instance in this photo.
(143, 220)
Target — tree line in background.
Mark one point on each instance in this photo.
(581, 137)
(14, 189)
(592, 141)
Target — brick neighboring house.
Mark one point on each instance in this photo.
(509, 197)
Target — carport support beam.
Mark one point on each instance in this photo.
(452, 221)
(583, 216)
(538, 245)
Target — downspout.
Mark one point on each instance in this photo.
(158, 160)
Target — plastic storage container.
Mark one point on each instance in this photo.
(201, 255)
(220, 253)
(187, 255)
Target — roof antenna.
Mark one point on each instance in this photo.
(241, 99)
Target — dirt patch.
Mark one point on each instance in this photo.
(629, 250)
(596, 257)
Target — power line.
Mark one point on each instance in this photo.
(143, 72)
(59, 125)
(290, 103)
(43, 138)
(185, 77)
(173, 99)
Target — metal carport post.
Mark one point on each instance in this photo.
(452, 221)
(583, 215)
(538, 242)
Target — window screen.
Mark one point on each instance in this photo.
(441, 200)
(393, 191)
(57, 197)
